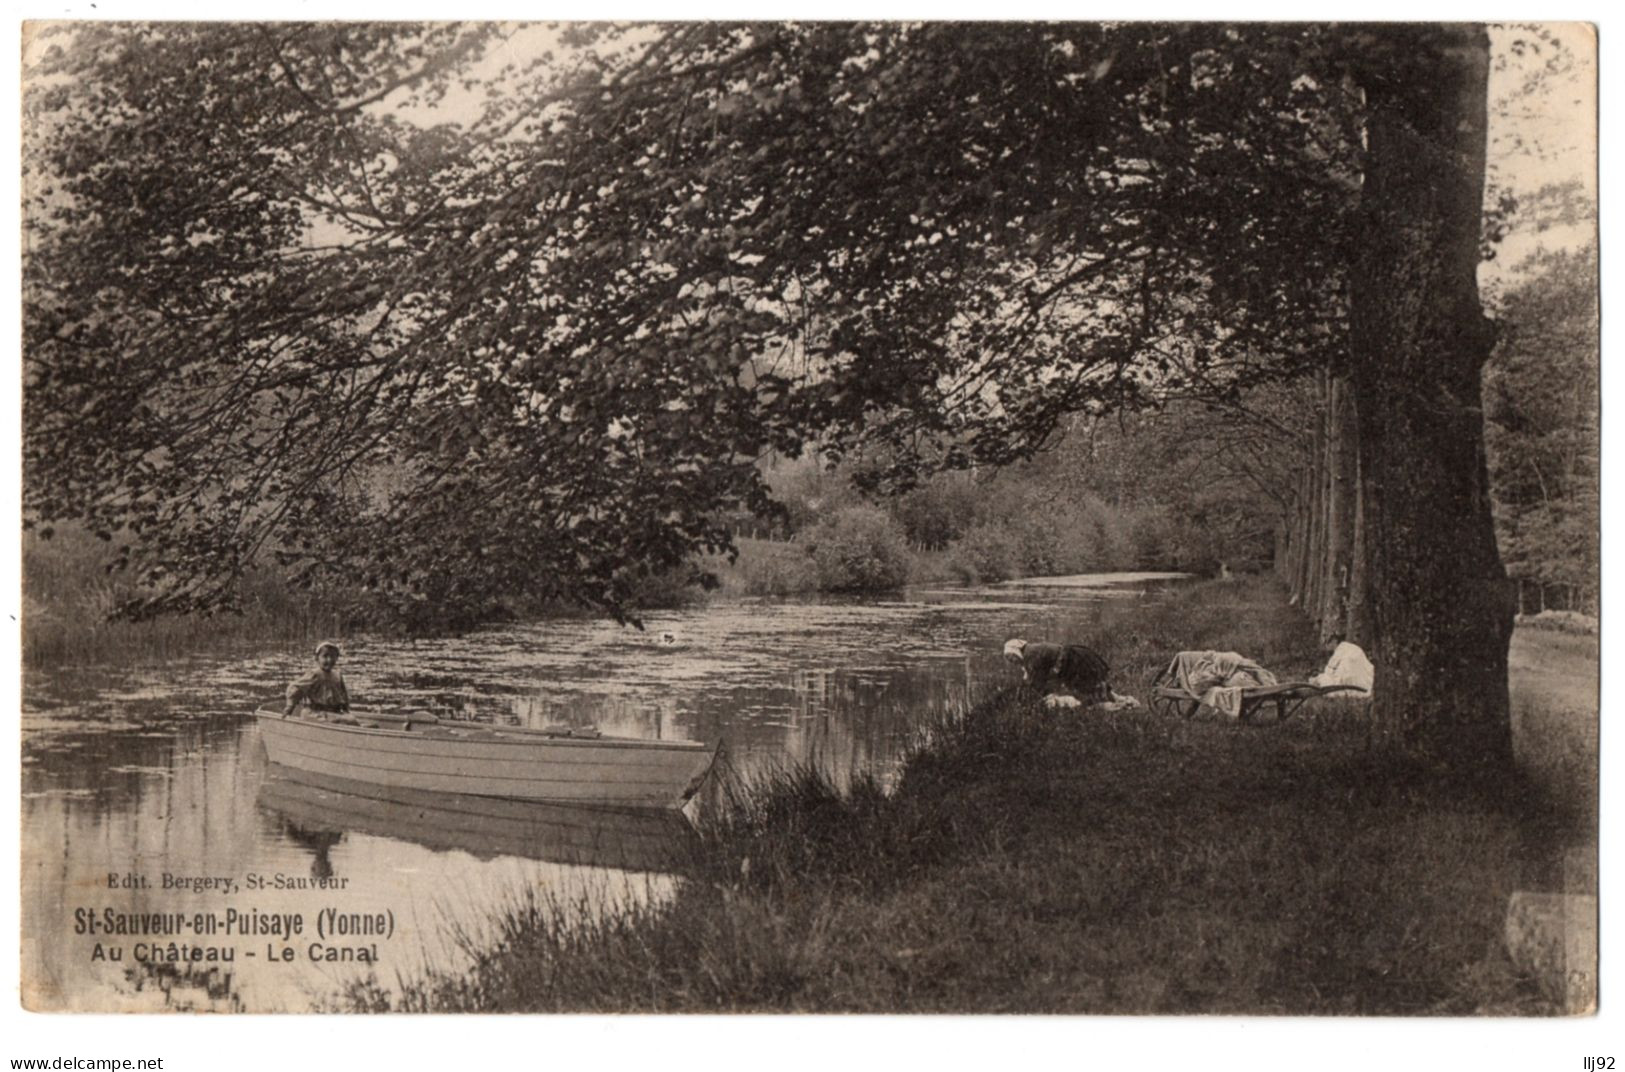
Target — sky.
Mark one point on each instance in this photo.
(1543, 137)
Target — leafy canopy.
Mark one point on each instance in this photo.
(273, 310)
(1541, 424)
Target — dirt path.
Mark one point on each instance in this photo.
(1553, 678)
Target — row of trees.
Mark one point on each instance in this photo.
(1540, 414)
(573, 325)
(1541, 408)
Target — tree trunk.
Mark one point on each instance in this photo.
(1359, 614)
(1289, 534)
(1342, 438)
(1320, 540)
(1314, 563)
(1438, 598)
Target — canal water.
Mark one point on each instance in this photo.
(165, 868)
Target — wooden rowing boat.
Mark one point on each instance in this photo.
(513, 763)
(641, 839)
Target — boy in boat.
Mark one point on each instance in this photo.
(1074, 667)
(322, 690)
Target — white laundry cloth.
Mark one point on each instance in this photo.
(1347, 666)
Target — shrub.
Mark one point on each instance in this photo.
(1101, 543)
(938, 513)
(1041, 545)
(1150, 540)
(767, 568)
(682, 586)
(809, 492)
(986, 554)
(859, 549)
(1066, 539)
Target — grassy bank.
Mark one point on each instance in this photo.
(1034, 861)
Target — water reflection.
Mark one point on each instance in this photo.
(307, 834)
(317, 816)
(138, 780)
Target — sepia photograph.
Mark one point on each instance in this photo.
(885, 517)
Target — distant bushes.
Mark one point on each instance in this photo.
(864, 548)
(1046, 517)
(1041, 539)
(859, 549)
(664, 589)
(985, 554)
(958, 527)
(70, 599)
(768, 568)
(939, 512)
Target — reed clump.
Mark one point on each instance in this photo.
(69, 599)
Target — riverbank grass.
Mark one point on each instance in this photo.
(69, 598)
(1038, 861)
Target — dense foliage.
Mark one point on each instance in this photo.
(1109, 495)
(1541, 412)
(858, 549)
(271, 309)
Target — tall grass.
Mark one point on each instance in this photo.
(68, 596)
(1031, 861)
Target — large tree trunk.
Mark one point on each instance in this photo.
(1438, 599)
(1320, 539)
